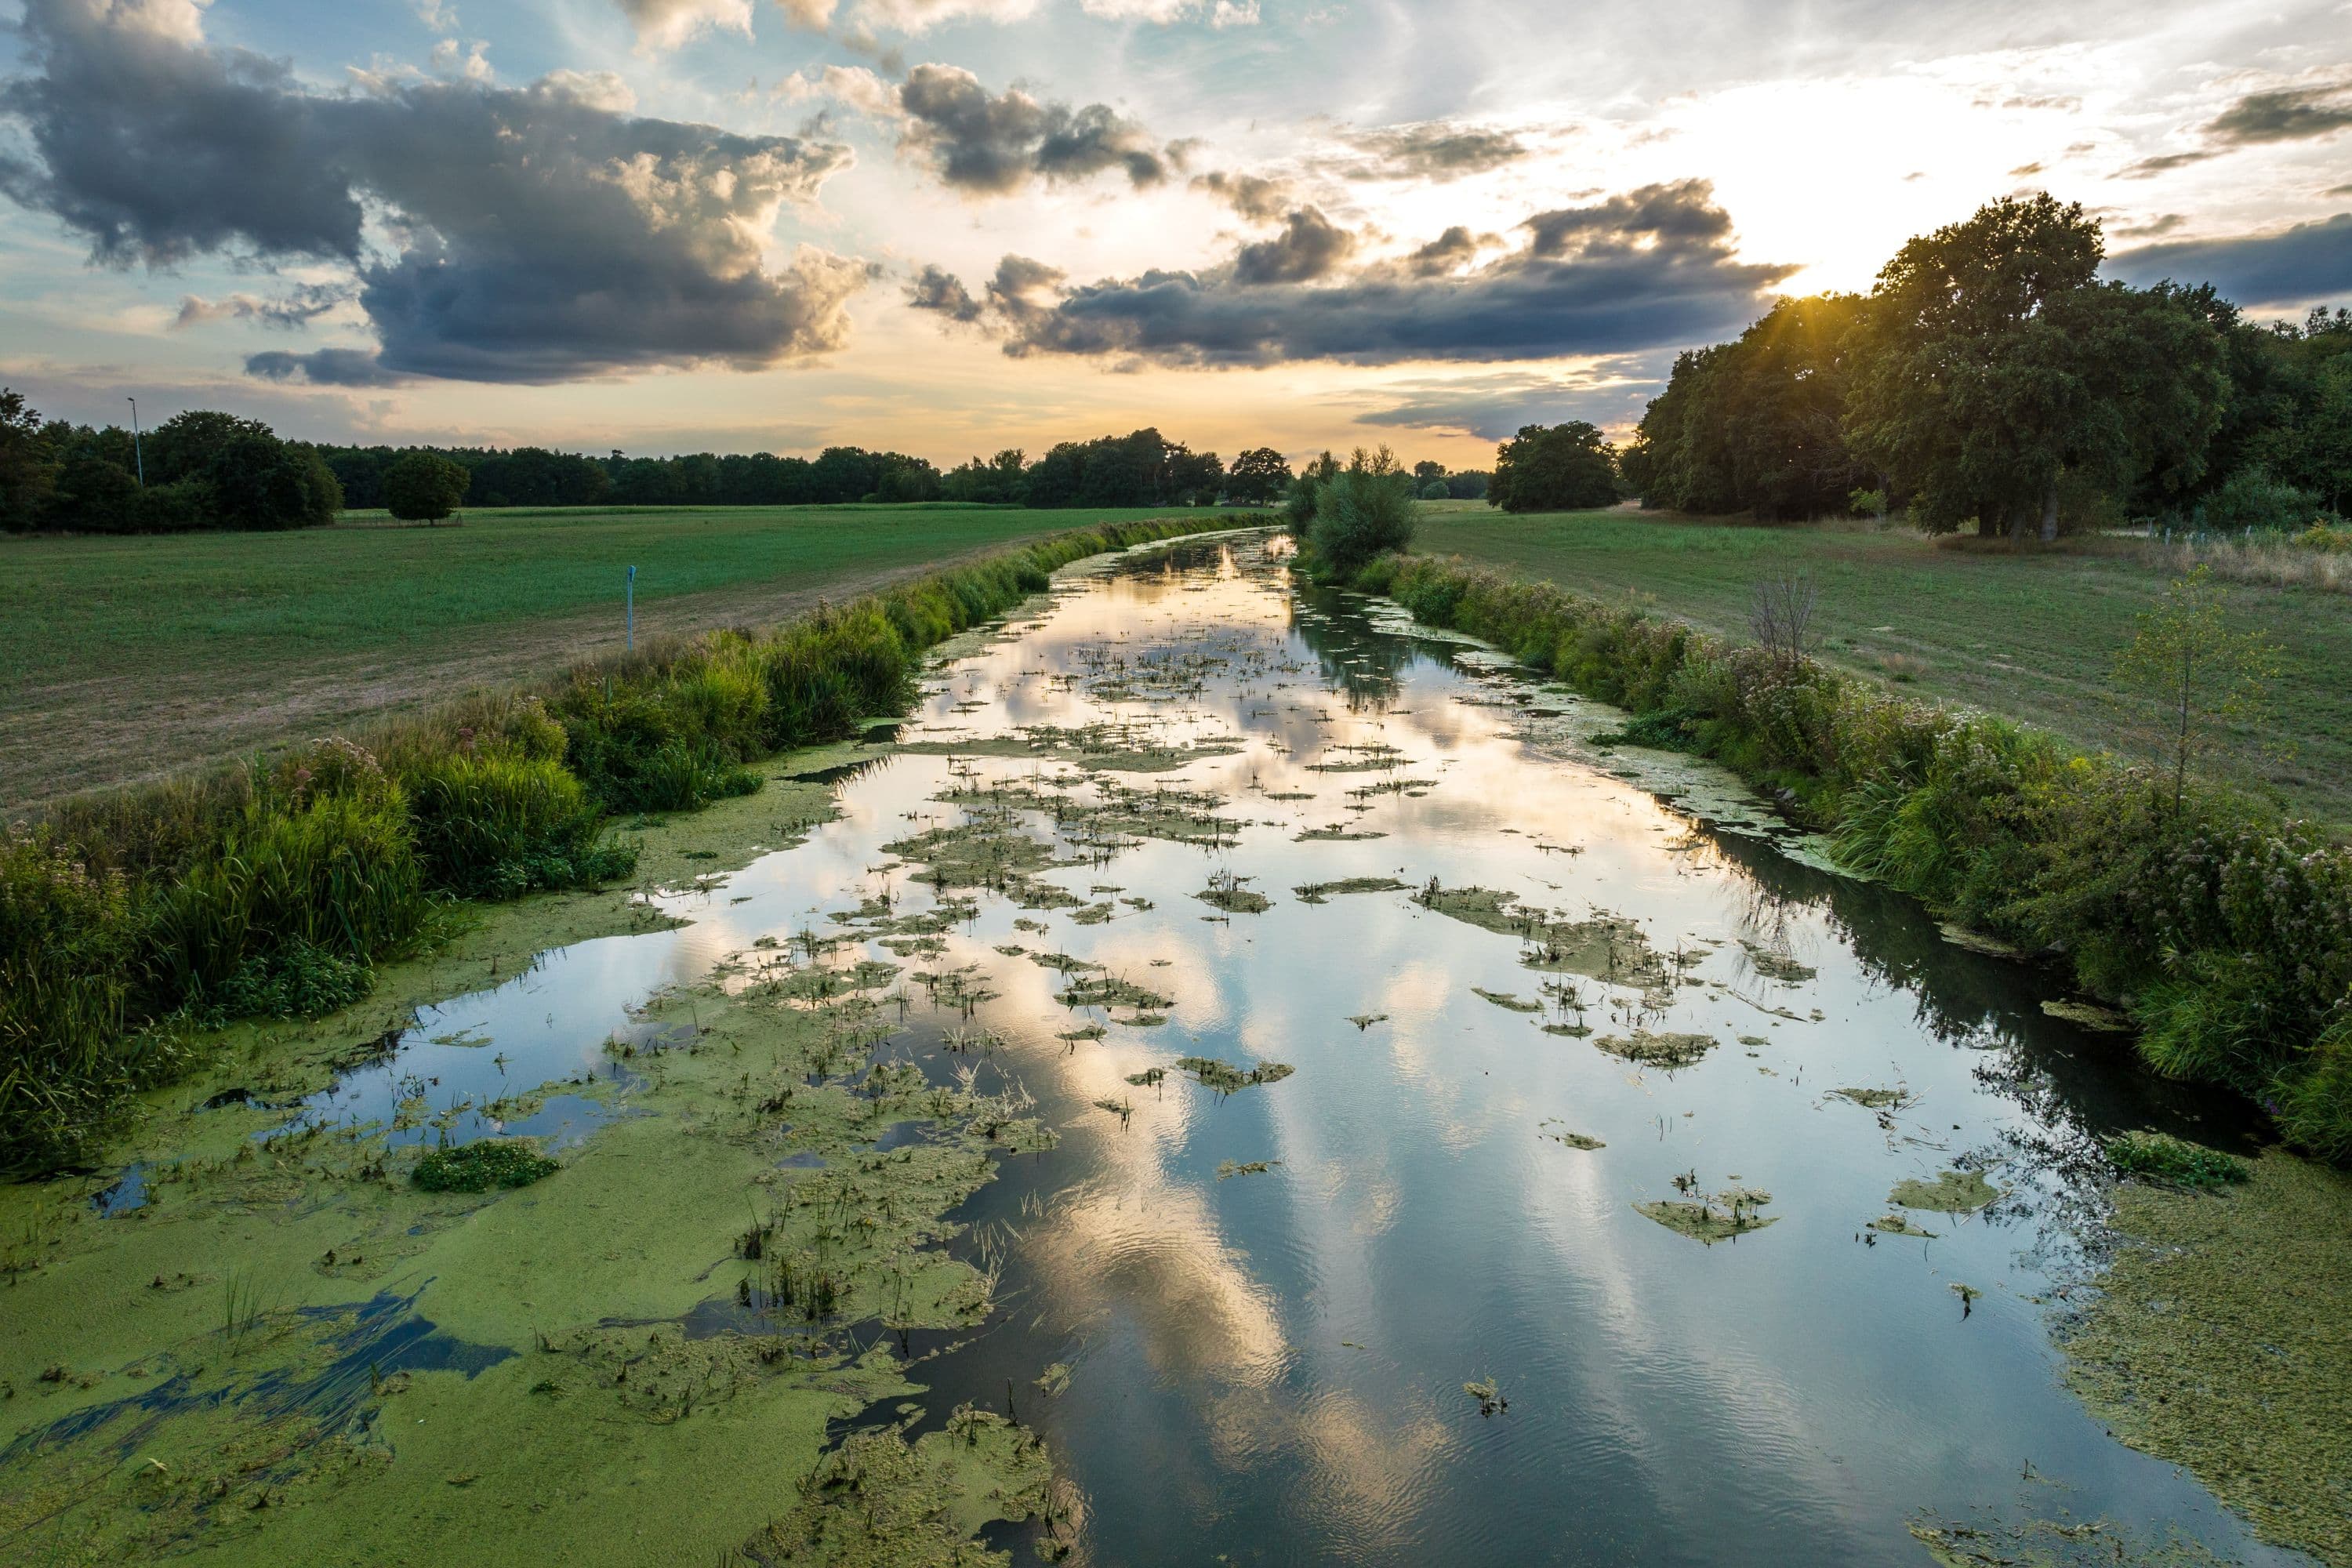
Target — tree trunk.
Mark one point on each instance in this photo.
(2050, 513)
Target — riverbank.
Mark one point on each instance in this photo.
(132, 921)
(134, 657)
(2031, 635)
(284, 1350)
(2221, 927)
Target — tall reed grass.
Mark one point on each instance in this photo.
(132, 921)
(2225, 926)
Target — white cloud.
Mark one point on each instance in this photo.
(668, 23)
(854, 86)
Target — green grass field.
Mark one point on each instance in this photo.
(2032, 635)
(126, 656)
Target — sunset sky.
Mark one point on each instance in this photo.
(947, 226)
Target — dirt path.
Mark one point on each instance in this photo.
(70, 736)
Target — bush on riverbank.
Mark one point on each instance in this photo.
(131, 918)
(2225, 927)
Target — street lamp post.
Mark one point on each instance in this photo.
(137, 451)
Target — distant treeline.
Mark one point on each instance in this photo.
(206, 470)
(1991, 377)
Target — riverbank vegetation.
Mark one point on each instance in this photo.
(2225, 926)
(130, 921)
(2031, 633)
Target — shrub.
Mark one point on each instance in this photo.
(479, 1166)
(499, 823)
(1435, 490)
(1363, 509)
(2251, 498)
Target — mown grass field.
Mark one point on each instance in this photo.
(2032, 635)
(126, 656)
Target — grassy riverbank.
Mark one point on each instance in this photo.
(130, 922)
(290, 1352)
(2031, 635)
(128, 655)
(2224, 929)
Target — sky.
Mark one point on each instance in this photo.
(950, 226)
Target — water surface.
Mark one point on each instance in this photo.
(1270, 1367)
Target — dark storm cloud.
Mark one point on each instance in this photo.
(2285, 114)
(324, 367)
(542, 236)
(1251, 197)
(2309, 262)
(1648, 269)
(994, 144)
(1309, 247)
(1436, 149)
(1494, 407)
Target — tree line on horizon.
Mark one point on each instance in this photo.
(1991, 377)
(205, 469)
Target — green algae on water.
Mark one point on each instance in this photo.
(1506, 999)
(2161, 1157)
(1226, 891)
(1227, 1078)
(1898, 1224)
(1558, 1132)
(1324, 893)
(1710, 1217)
(1228, 1169)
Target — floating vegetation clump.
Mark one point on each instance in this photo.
(1148, 1077)
(1710, 1217)
(1226, 1079)
(1366, 1020)
(1976, 942)
(1654, 1049)
(483, 1165)
(1227, 1169)
(1488, 1393)
(1776, 965)
(1954, 1193)
(1605, 947)
(1324, 893)
(1898, 1224)
(1112, 990)
(1878, 1098)
(2161, 1157)
(2090, 1015)
(1225, 891)
(1507, 999)
(1339, 832)
(1559, 1133)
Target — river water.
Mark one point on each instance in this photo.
(1267, 1364)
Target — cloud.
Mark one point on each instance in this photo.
(1219, 14)
(1253, 196)
(1309, 247)
(2285, 114)
(936, 289)
(2163, 224)
(325, 367)
(2148, 168)
(539, 234)
(1434, 149)
(2294, 267)
(1650, 267)
(856, 85)
(668, 23)
(1454, 248)
(904, 16)
(297, 308)
(1494, 407)
(993, 145)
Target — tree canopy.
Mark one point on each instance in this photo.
(1558, 468)
(425, 487)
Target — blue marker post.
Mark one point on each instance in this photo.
(629, 606)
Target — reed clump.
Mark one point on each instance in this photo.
(133, 920)
(2221, 925)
